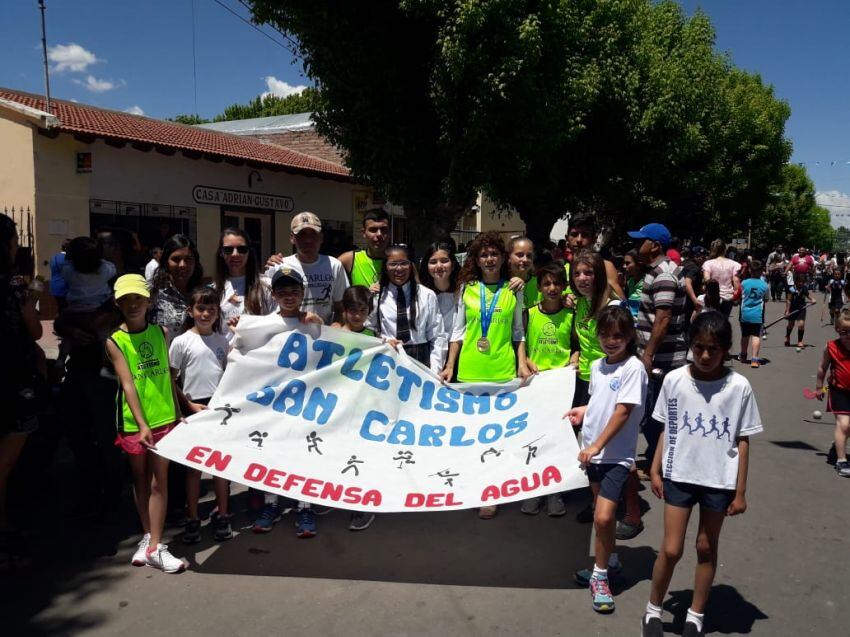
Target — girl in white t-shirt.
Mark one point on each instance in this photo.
(197, 358)
(611, 420)
(709, 413)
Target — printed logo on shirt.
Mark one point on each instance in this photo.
(549, 329)
(614, 383)
(672, 433)
(145, 350)
(699, 422)
(219, 353)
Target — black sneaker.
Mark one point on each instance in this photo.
(192, 532)
(626, 531)
(221, 523)
(360, 521)
(585, 516)
(651, 627)
(691, 630)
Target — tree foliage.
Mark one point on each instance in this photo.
(792, 216)
(841, 242)
(270, 105)
(619, 107)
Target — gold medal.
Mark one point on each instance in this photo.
(483, 345)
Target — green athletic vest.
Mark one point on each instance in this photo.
(146, 353)
(364, 269)
(531, 294)
(568, 289)
(366, 332)
(585, 327)
(548, 337)
(498, 364)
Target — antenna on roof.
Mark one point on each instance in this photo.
(44, 54)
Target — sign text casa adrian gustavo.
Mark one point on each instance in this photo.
(225, 197)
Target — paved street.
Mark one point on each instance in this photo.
(783, 564)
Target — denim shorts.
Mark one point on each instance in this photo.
(611, 479)
(682, 494)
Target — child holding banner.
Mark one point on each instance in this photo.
(709, 413)
(288, 291)
(488, 324)
(611, 420)
(197, 358)
(147, 398)
(548, 327)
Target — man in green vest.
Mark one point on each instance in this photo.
(364, 266)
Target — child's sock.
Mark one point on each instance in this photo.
(695, 618)
(599, 572)
(652, 611)
(269, 498)
(800, 335)
(303, 505)
(788, 331)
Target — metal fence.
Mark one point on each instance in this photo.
(24, 218)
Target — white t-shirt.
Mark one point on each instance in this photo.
(702, 422)
(88, 291)
(611, 384)
(199, 361)
(325, 282)
(233, 301)
(150, 270)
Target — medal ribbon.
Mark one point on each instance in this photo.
(487, 313)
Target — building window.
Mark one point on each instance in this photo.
(151, 223)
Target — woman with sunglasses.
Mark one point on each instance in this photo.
(487, 345)
(406, 311)
(243, 290)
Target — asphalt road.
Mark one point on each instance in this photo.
(783, 564)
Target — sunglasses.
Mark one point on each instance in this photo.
(231, 249)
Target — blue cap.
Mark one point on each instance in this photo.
(287, 276)
(654, 232)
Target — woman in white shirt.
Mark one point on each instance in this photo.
(438, 272)
(407, 311)
(243, 290)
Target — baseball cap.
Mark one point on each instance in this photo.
(131, 284)
(305, 220)
(698, 251)
(654, 232)
(287, 276)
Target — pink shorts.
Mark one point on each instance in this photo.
(129, 443)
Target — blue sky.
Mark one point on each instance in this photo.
(139, 55)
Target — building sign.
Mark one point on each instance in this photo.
(224, 197)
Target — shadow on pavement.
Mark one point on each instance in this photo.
(455, 548)
(727, 611)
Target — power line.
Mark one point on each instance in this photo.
(253, 26)
(283, 33)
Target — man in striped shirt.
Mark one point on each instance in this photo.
(661, 339)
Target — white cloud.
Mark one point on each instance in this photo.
(99, 86)
(134, 110)
(838, 204)
(71, 57)
(280, 88)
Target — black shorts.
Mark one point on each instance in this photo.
(682, 494)
(750, 329)
(582, 393)
(611, 479)
(838, 400)
(799, 316)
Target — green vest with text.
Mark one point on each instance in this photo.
(364, 269)
(146, 353)
(548, 337)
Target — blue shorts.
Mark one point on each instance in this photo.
(611, 479)
(682, 494)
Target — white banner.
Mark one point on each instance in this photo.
(336, 418)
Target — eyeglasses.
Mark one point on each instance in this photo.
(228, 250)
(397, 265)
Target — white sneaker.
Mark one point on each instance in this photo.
(139, 557)
(162, 559)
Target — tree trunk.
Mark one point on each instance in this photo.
(427, 225)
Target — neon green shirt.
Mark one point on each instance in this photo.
(498, 364)
(585, 326)
(364, 269)
(531, 294)
(146, 353)
(548, 337)
(568, 289)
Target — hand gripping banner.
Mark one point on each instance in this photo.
(337, 418)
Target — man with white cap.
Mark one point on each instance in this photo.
(324, 276)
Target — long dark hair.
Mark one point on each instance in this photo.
(712, 294)
(253, 285)
(425, 277)
(203, 295)
(384, 282)
(470, 270)
(714, 325)
(601, 290)
(163, 278)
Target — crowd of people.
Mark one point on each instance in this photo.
(648, 335)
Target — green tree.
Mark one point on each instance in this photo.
(189, 120)
(270, 105)
(841, 242)
(792, 217)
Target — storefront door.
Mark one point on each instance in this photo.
(258, 226)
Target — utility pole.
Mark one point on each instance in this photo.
(44, 55)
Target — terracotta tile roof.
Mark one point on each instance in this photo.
(81, 119)
(306, 141)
